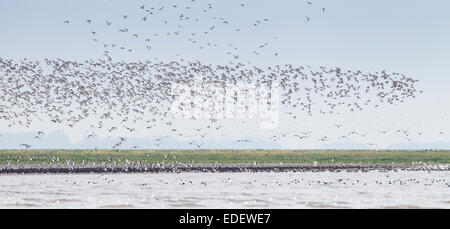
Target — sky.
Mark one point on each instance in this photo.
(406, 36)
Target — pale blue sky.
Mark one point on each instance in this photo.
(407, 36)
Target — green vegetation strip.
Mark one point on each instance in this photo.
(223, 156)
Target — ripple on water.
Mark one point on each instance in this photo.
(116, 206)
(27, 205)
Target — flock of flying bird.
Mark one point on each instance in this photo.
(140, 93)
(186, 24)
(137, 96)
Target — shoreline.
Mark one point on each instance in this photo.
(92, 168)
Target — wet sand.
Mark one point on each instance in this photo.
(212, 167)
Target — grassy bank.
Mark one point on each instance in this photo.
(223, 156)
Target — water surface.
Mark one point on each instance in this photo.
(403, 189)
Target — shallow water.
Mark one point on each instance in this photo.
(403, 189)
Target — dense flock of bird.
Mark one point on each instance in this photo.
(67, 92)
(132, 96)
